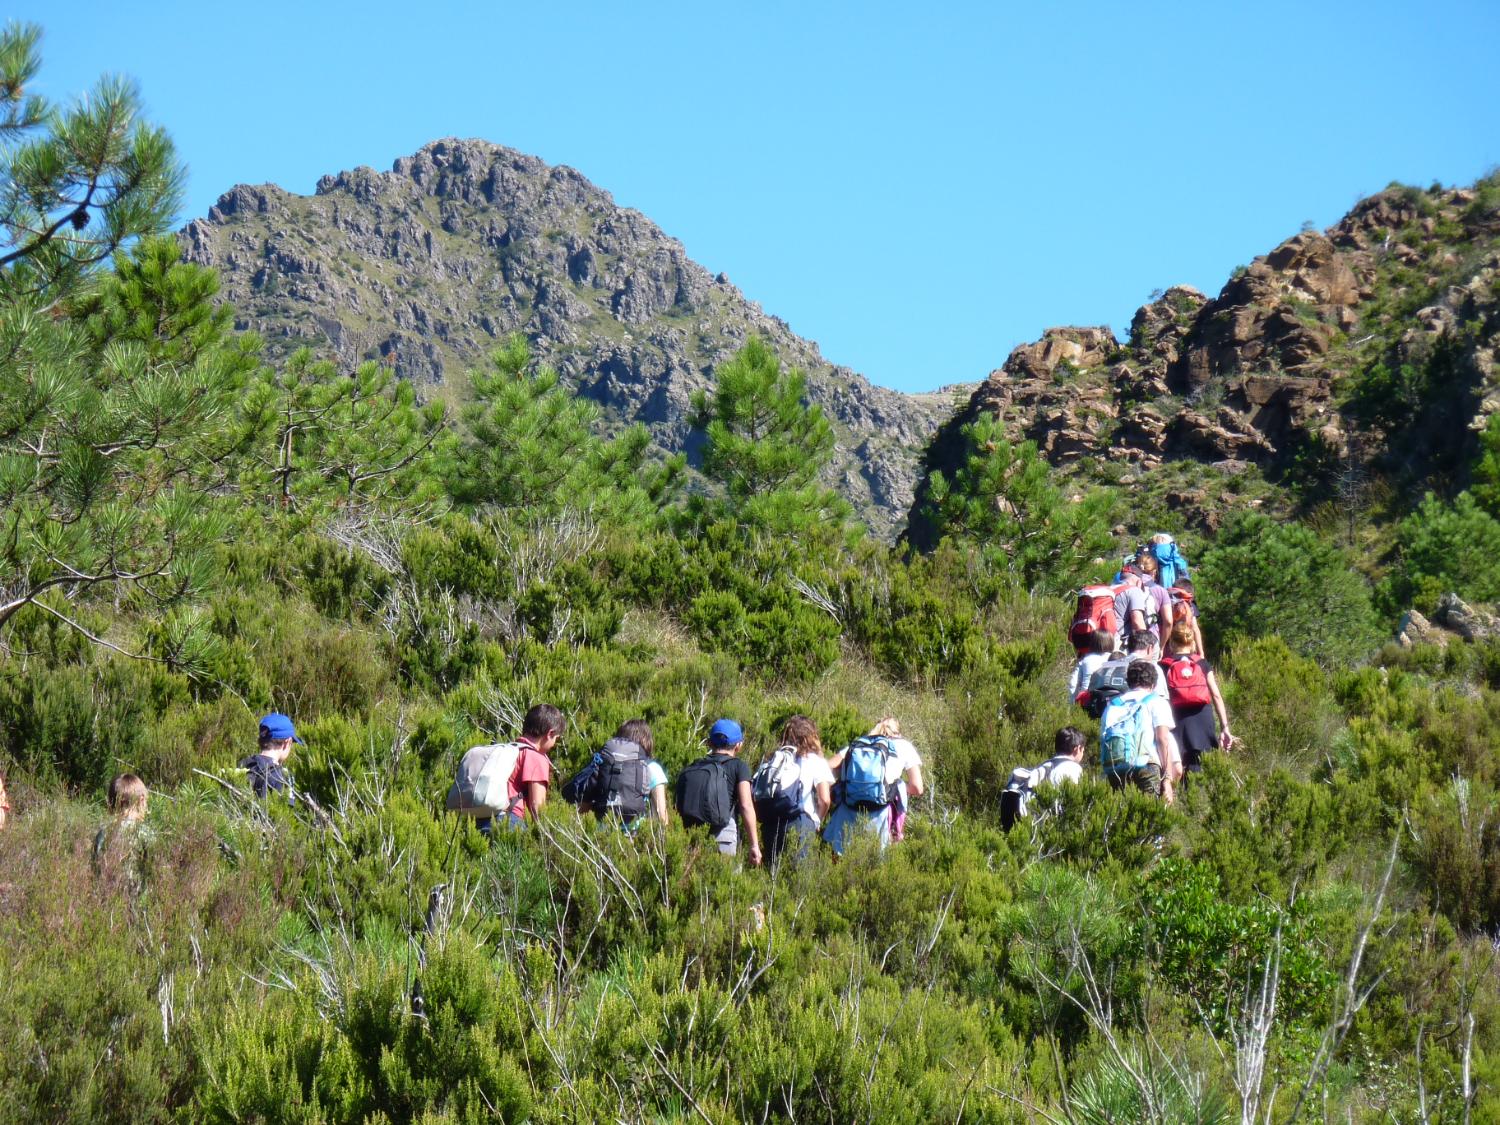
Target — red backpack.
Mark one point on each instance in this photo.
(1096, 610)
(1187, 683)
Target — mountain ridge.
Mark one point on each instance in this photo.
(431, 264)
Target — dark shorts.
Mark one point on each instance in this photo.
(1145, 778)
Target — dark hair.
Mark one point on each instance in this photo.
(639, 732)
(1183, 583)
(1103, 641)
(1069, 739)
(542, 720)
(802, 732)
(1141, 673)
(1142, 641)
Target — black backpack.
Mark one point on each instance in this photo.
(617, 781)
(1107, 683)
(703, 792)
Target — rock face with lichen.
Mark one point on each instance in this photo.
(429, 265)
(1287, 367)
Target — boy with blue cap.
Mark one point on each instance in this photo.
(266, 765)
(711, 790)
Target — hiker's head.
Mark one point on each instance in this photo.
(1103, 641)
(543, 726)
(1070, 742)
(1184, 584)
(639, 732)
(1140, 674)
(1182, 634)
(1131, 576)
(1142, 642)
(726, 736)
(1146, 563)
(802, 732)
(127, 796)
(888, 727)
(1161, 538)
(277, 735)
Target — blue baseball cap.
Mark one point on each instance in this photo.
(276, 726)
(725, 732)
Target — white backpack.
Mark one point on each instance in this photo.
(482, 787)
(776, 787)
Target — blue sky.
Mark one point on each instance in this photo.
(918, 188)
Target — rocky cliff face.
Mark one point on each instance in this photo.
(1285, 362)
(430, 264)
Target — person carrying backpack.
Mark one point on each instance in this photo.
(1065, 767)
(1185, 605)
(1171, 563)
(1134, 608)
(872, 771)
(624, 780)
(716, 787)
(1159, 594)
(1101, 649)
(266, 768)
(1193, 693)
(792, 788)
(1135, 738)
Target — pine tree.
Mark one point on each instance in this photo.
(114, 388)
(358, 441)
(1004, 498)
(533, 447)
(765, 445)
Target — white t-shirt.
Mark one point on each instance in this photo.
(1061, 771)
(655, 775)
(904, 758)
(1161, 677)
(813, 770)
(1159, 710)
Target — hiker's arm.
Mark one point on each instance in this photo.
(914, 781)
(1164, 619)
(822, 798)
(1137, 621)
(1225, 738)
(747, 817)
(659, 803)
(536, 795)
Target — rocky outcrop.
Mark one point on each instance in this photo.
(1247, 380)
(430, 264)
(1453, 619)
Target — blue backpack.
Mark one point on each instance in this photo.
(1127, 740)
(1171, 565)
(862, 776)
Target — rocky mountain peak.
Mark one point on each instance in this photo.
(430, 264)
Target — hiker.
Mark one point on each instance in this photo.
(1193, 693)
(1135, 609)
(869, 770)
(1173, 566)
(1146, 563)
(716, 787)
(267, 766)
(1135, 740)
(624, 779)
(1065, 767)
(792, 788)
(4, 802)
(1108, 680)
(1185, 605)
(1101, 648)
(118, 845)
(541, 730)
(909, 760)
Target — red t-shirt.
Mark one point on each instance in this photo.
(531, 765)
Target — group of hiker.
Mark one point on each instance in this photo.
(797, 795)
(1142, 672)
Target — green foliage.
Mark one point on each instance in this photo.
(1004, 499)
(765, 446)
(1263, 577)
(1445, 548)
(531, 446)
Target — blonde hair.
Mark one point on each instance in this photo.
(888, 727)
(1182, 636)
(801, 732)
(127, 796)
